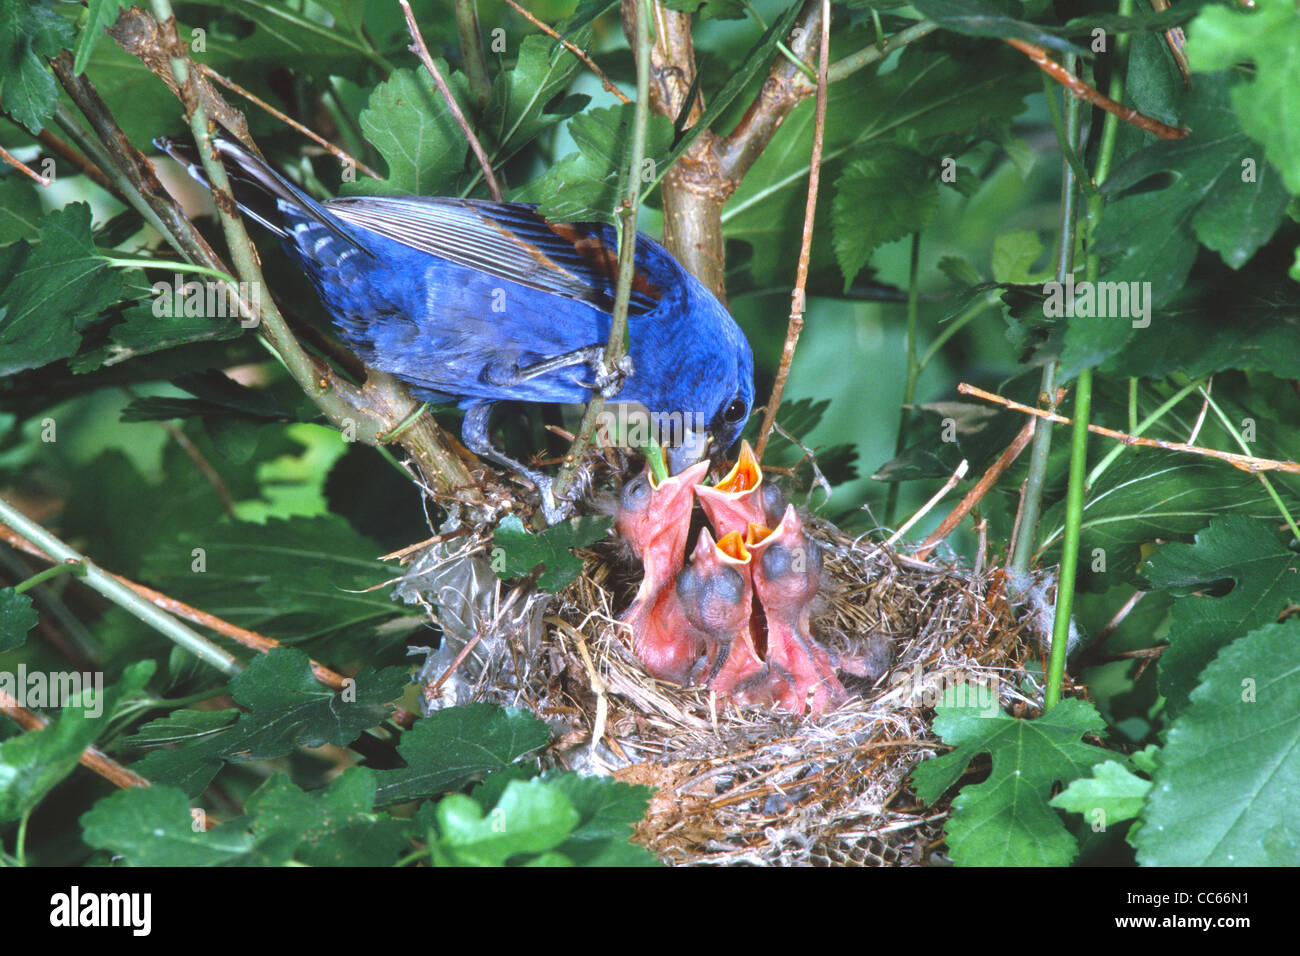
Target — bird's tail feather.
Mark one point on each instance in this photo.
(260, 192)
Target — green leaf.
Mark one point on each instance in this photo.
(1111, 795)
(1266, 579)
(409, 123)
(101, 15)
(1222, 194)
(880, 198)
(978, 18)
(448, 749)
(1006, 820)
(180, 726)
(17, 617)
(585, 186)
(287, 708)
(608, 812)
(331, 827)
(1268, 102)
(522, 550)
(50, 292)
(516, 110)
(1225, 786)
(152, 826)
(530, 817)
(1014, 254)
(20, 209)
(29, 32)
(33, 763)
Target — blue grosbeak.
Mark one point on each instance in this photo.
(479, 302)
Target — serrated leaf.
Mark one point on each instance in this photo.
(523, 551)
(101, 14)
(880, 198)
(531, 817)
(608, 812)
(1268, 102)
(408, 121)
(181, 725)
(516, 110)
(1111, 795)
(1265, 577)
(450, 748)
(1006, 820)
(331, 827)
(17, 617)
(20, 210)
(1014, 253)
(29, 32)
(1225, 786)
(152, 826)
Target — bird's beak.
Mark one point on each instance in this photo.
(694, 447)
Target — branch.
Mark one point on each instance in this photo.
(471, 50)
(1248, 463)
(797, 303)
(17, 164)
(92, 757)
(608, 86)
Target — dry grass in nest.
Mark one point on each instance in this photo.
(759, 786)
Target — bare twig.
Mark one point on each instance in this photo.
(797, 303)
(950, 484)
(92, 757)
(91, 171)
(1085, 92)
(977, 493)
(17, 164)
(605, 82)
(1248, 463)
(340, 154)
(422, 51)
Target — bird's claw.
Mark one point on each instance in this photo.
(609, 381)
(554, 509)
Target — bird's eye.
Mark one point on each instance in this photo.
(735, 412)
(636, 494)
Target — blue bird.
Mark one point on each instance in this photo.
(480, 302)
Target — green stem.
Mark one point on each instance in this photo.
(956, 325)
(471, 51)
(863, 58)
(53, 572)
(120, 594)
(170, 266)
(20, 848)
(617, 345)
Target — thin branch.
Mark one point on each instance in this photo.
(1248, 463)
(797, 298)
(471, 50)
(88, 168)
(950, 484)
(605, 82)
(18, 164)
(92, 757)
(337, 152)
(978, 491)
(1083, 91)
(422, 51)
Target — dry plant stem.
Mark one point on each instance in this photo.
(797, 298)
(88, 168)
(92, 758)
(977, 493)
(422, 51)
(250, 639)
(340, 154)
(1083, 91)
(1248, 463)
(608, 86)
(950, 484)
(17, 164)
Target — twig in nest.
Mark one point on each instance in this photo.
(981, 488)
(340, 154)
(422, 51)
(1085, 92)
(797, 297)
(1245, 462)
(576, 51)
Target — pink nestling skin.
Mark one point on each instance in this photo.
(787, 570)
(716, 596)
(654, 520)
(666, 643)
(741, 498)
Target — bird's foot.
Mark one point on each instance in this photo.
(554, 509)
(609, 381)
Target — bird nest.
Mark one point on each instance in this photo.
(736, 784)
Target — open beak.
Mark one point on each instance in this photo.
(694, 447)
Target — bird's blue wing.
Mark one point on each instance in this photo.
(508, 240)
